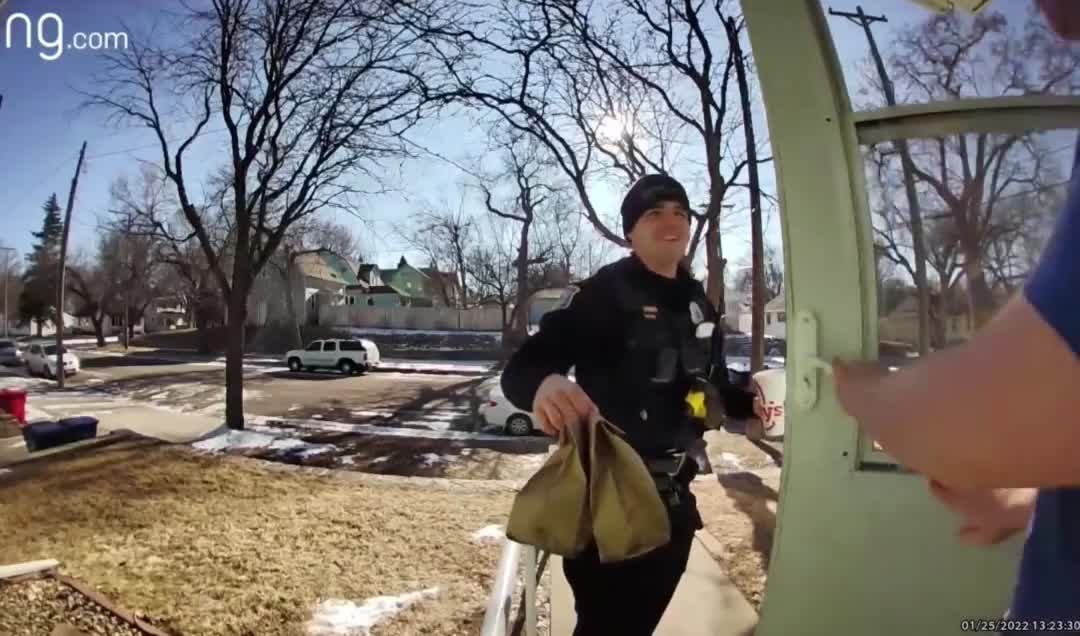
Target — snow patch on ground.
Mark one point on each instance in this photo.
(334, 617)
(256, 440)
(375, 331)
(730, 461)
(489, 534)
(347, 460)
(371, 429)
(443, 366)
(380, 460)
(21, 381)
(432, 459)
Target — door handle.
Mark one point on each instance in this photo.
(807, 361)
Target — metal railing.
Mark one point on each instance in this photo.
(499, 619)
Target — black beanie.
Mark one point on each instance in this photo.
(647, 193)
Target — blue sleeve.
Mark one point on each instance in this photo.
(1053, 285)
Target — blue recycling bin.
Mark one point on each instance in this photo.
(44, 435)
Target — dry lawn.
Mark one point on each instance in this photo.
(211, 545)
(739, 510)
(509, 459)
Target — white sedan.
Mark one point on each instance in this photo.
(41, 360)
(498, 413)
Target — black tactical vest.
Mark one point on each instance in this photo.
(662, 358)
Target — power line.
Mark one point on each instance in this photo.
(156, 144)
(50, 173)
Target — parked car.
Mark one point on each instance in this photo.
(346, 355)
(499, 414)
(737, 356)
(10, 354)
(41, 360)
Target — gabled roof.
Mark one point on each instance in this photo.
(328, 266)
(345, 270)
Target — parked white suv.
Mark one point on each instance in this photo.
(347, 356)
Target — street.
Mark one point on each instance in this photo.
(404, 421)
(111, 382)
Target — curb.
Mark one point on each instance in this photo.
(113, 437)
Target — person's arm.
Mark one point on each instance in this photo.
(555, 348)
(1001, 410)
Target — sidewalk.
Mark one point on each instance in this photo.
(269, 363)
(706, 603)
(113, 415)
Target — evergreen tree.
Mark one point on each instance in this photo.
(38, 296)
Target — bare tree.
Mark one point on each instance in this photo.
(146, 208)
(336, 237)
(967, 175)
(494, 268)
(527, 168)
(758, 290)
(189, 277)
(308, 92)
(773, 274)
(573, 69)
(591, 257)
(1024, 225)
(665, 48)
(446, 237)
(133, 257)
(92, 293)
(10, 286)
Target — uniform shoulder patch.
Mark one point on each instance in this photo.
(568, 296)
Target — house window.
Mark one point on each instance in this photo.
(768, 319)
(781, 316)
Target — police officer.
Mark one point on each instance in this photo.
(640, 334)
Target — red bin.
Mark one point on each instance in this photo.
(13, 401)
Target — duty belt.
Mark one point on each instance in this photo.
(672, 474)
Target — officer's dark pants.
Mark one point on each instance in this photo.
(628, 598)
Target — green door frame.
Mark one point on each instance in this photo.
(860, 546)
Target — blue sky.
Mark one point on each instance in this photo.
(42, 126)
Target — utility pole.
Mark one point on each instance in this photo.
(8, 251)
(60, 277)
(127, 275)
(860, 18)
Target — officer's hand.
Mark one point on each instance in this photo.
(759, 408)
(560, 403)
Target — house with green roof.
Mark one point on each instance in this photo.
(404, 286)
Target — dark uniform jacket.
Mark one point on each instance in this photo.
(631, 337)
